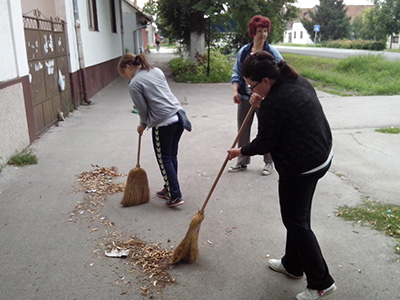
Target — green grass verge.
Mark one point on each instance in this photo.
(380, 216)
(354, 76)
(359, 75)
(390, 130)
(23, 158)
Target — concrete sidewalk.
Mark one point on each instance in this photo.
(45, 256)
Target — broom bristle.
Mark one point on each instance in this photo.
(137, 189)
(187, 251)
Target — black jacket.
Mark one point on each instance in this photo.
(292, 127)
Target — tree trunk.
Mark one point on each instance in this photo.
(391, 41)
(197, 45)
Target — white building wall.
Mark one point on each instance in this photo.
(393, 42)
(132, 35)
(14, 135)
(102, 45)
(71, 37)
(8, 66)
(13, 59)
(297, 35)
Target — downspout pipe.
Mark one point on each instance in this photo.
(133, 36)
(82, 70)
(122, 27)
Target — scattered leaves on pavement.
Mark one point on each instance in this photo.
(150, 263)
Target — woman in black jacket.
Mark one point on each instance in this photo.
(294, 129)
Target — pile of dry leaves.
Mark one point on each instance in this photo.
(152, 261)
(100, 180)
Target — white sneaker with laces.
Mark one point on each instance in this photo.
(310, 294)
(276, 265)
(267, 169)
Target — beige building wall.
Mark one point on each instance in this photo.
(46, 7)
(13, 126)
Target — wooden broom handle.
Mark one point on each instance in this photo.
(138, 151)
(245, 121)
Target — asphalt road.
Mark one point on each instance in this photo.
(336, 53)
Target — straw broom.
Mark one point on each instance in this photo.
(137, 186)
(187, 251)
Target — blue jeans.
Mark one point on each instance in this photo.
(165, 143)
(302, 253)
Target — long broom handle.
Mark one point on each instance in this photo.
(246, 120)
(138, 151)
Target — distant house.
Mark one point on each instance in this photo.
(296, 33)
(393, 42)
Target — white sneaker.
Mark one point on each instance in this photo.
(309, 294)
(267, 169)
(237, 168)
(276, 265)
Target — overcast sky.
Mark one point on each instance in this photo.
(312, 3)
(301, 3)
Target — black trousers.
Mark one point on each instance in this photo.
(303, 253)
(166, 144)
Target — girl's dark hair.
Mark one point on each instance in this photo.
(133, 60)
(262, 64)
(258, 22)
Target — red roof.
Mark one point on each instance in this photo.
(352, 11)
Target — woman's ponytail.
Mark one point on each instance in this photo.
(133, 60)
(287, 70)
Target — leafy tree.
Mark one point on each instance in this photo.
(356, 27)
(332, 18)
(371, 29)
(181, 18)
(388, 16)
(241, 11)
(150, 7)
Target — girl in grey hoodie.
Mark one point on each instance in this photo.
(160, 110)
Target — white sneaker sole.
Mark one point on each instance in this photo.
(237, 170)
(283, 271)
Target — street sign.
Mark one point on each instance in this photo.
(316, 28)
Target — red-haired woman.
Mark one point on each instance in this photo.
(258, 29)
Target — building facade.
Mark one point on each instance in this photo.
(55, 55)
